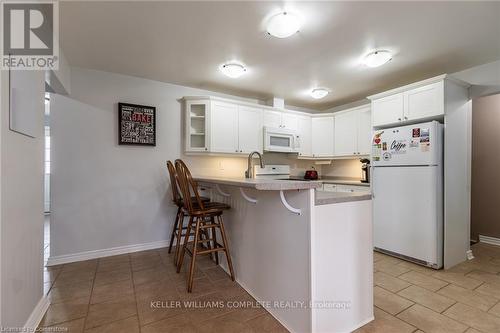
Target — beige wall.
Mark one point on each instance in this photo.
(485, 214)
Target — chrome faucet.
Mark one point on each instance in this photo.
(250, 173)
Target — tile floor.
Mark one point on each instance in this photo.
(115, 294)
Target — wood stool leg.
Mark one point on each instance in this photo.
(214, 236)
(174, 229)
(178, 237)
(193, 258)
(186, 240)
(226, 246)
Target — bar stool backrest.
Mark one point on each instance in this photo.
(174, 182)
(188, 187)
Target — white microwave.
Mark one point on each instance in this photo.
(281, 140)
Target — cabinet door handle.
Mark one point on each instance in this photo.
(406, 118)
(399, 119)
(206, 148)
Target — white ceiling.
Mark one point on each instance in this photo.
(185, 43)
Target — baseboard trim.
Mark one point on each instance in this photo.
(36, 316)
(113, 251)
(489, 240)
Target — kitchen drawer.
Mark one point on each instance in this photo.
(353, 189)
(330, 187)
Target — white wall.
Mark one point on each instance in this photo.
(21, 233)
(104, 195)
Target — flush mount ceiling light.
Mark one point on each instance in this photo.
(319, 93)
(377, 58)
(233, 70)
(283, 25)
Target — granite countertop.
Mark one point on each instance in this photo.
(327, 198)
(261, 184)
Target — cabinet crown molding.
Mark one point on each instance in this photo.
(418, 84)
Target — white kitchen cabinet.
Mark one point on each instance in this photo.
(197, 126)
(388, 110)
(352, 188)
(424, 102)
(290, 121)
(272, 119)
(346, 133)
(329, 187)
(304, 136)
(419, 101)
(364, 131)
(224, 127)
(250, 129)
(322, 136)
(278, 119)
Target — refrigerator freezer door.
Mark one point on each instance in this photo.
(408, 213)
(419, 144)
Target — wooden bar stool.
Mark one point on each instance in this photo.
(178, 228)
(203, 216)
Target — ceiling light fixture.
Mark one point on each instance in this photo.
(233, 70)
(377, 58)
(319, 93)
(283, 25)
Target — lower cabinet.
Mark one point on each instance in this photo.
(328, 187)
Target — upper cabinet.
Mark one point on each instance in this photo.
(304, 135)
(410, 103)
(353, 132)
(250, 129)
(322, 136)
(197, 125)
(278, 119)
(224, 127)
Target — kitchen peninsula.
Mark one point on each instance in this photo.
(306, 253)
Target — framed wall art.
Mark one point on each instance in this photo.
(137, 124)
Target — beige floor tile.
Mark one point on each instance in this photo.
(104, 313)
(389, 302)
(495, 310)
(385, 323)
(200, 309)
(458, 279)
(389, 282)
(244, 308)
(61, 293)
(74, 326)
(417, 268)
(423, 280)
(66, 311)
(229, 289)
(489, 289)
(201, 287)
(475, 318)
(178, 324)
(266, 323)
(225, 325)
(472, 330)
(114, 259)
(109, 292)
(216, 274)
(427, 298)
(430, 321)
(149, 262)
(158, 308)
(50, 276)
(469, 297)
(484, 276)
(150, 275)
(113, 276)
(389, 267)
(128, 325)
(109, 266)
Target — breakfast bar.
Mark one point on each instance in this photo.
(306, 255)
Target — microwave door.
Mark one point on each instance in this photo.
(280, 142)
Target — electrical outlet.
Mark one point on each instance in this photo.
(221, 165)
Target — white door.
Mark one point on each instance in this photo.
(289, 121)
(407, 211)
(250, 130)
(224, 128)
(272, 119)
(322, 136)
(304, 133)
(346, 125)
(387, 110)
(364, 131)
(424, 102)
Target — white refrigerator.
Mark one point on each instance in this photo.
(407, 185)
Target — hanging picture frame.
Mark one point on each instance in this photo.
(137, 124)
